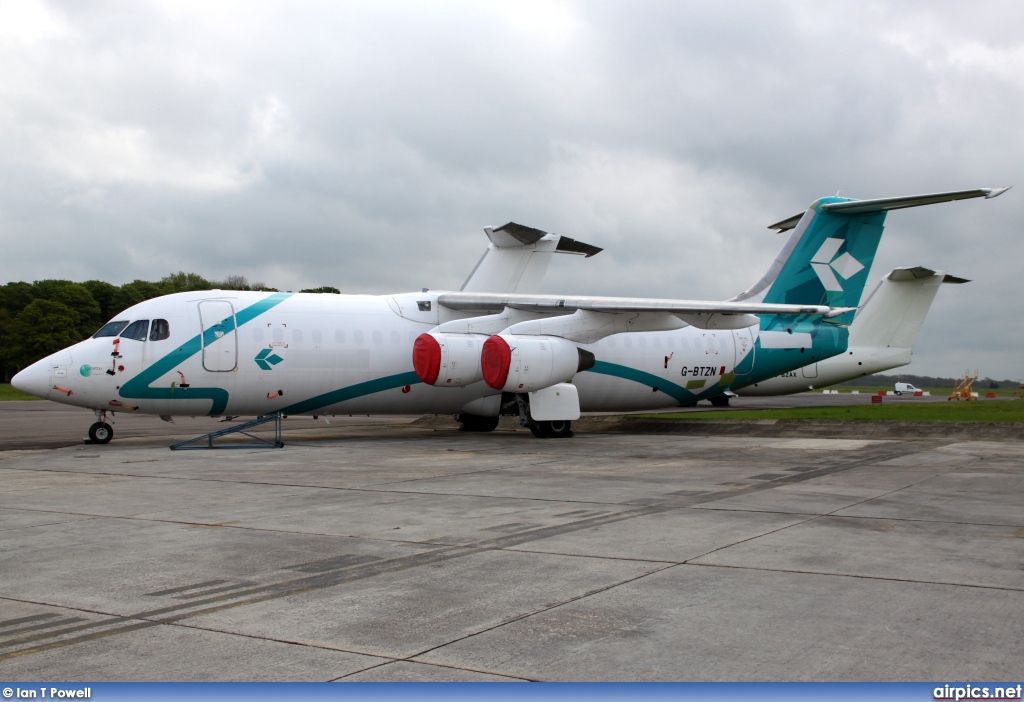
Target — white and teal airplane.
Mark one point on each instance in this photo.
(881, 336)
(485, 350)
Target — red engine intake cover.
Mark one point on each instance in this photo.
(495, 359)
(426, 358)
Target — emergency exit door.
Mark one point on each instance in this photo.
(220, 342)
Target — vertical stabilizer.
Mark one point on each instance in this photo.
(518, 257)
(894, 312)
(827, 258)
(830, 258)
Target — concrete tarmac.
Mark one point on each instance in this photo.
(43, 424)
(391, 549)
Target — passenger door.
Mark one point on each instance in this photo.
(220, 342)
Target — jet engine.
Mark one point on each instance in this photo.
(448, 360)
(524, 364)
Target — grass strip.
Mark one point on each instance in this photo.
(9, 393)
(953, 411)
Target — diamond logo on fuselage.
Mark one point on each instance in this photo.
(266, 359)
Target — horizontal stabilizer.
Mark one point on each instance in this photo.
(862, 207)
(512, 234)
(518, 258)
(567, 245)
(918, 272)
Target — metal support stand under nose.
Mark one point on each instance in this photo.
(240, 429)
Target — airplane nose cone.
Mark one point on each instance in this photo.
(34, 380)
(37, 379)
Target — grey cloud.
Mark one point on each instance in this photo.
(365, 145)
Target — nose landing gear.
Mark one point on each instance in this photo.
(101, 432)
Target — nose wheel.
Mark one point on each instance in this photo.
(101, 432)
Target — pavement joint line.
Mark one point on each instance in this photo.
(112, 622)
(115, 618)
(541, 610)
(358, 572)
(810, 519)
(45, 625)
(365, 488)
(436, 665)
(589, 556)
(290, 642)
(25, 620)
(81, 639)
(859, 576)
(455, 475)
(750, 538)
(361, 489)
(82, 518)
(863, 516)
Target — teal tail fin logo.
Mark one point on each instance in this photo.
(831, 260)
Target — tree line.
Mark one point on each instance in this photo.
(40, 318)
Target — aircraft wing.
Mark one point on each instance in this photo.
(588, 319)
(494, 302)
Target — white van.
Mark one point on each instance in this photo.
(905, 387)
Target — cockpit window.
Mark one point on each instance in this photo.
(160, 330)
(110, 329)
(136, 330)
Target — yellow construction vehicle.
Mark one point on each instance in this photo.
(963, 389)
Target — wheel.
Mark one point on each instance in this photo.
(101, 433)
(474, 422)
(720, 401)
(897, 392)
(559, 429)
(556, 429)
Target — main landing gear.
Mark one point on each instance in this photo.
(554, 429)
(474, 422)
(101, 432)
(516, 405)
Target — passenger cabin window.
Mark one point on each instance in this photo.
(136, 330)
(160, 330)
(110, 329)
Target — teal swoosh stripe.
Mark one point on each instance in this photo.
(351, 392)
(138, 387)
(677, 392)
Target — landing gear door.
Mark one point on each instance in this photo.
(220, 342)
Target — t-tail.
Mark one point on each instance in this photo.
(826, 261)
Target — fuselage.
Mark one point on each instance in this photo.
(856, 362)
(255, 353)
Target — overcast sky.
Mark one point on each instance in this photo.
(365, 145)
